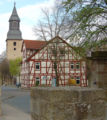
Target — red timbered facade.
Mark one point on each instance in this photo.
(28, 48)
(39, 65)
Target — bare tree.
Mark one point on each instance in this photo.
(4, 71)
(54, 23)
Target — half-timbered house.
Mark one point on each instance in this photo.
(50, 60)
(28, 48)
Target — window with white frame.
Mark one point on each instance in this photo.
(37, 80)
(78, 80)
(72, 65)
(77, 65)
(37, 66)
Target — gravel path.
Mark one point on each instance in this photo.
(11, 113)
(15, 104)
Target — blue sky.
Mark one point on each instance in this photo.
(6, 5)
(29, 12)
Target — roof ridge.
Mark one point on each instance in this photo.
(46, 45)
(34, 40)
(33, 44)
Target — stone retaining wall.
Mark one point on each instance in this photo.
(0, 103)
(67, 103)
(97, 69)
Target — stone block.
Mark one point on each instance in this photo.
(68, 103)
(0, 103)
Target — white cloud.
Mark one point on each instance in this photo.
(33, 12)
(29, 16)
(3, 31)
(27, 32)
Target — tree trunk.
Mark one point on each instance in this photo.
(56, 73)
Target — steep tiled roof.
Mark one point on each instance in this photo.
(34, 44)
(57, 37)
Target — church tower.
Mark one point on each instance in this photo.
(14, 37)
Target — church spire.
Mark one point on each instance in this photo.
(14, 25)
(14, 3)
(14, 15)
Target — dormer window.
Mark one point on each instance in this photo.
(14, 43)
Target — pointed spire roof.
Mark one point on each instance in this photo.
(14, 26)
(14, 15)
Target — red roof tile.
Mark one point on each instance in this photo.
(34, 44)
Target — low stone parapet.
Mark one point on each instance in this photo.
(67, 103)
(0, 103)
